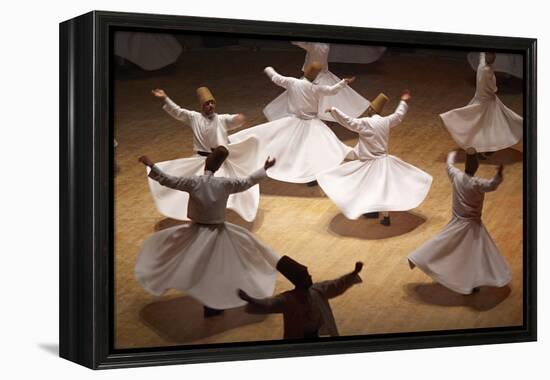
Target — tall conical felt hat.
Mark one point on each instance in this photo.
(292, 270)
(379, 102)
(312, 70)
(216, 158)
(490, 57)
(471, 163)
(204, 95)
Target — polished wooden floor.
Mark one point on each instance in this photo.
(300, 221)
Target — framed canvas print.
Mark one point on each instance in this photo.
(238, 189)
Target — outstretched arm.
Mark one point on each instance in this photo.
(268, 305)
(277, 78)
(236, 185)
(172, 108)
(451, 169)
(336, 287)
(335, 88)
(178, 183)
(397, 117)
(234, 121)
(351, 123)
(487, 185)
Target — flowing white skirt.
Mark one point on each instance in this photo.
(462, 256)
(209, 262)
(355, 53)
(487, 126)
(347, 100)
(241, 162)
(150, 51)
(303, 148)
(383, 184)
(505, 63)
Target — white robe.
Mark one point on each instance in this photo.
(505, 63)
(377, 181)
(302, 144)
(463, 255)
(347, 99)
(150, 51)
(209, 259)
(208, 133)
(485, 124)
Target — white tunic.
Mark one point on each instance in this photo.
(208, 259)
(302, 144)
(377, 181)
(207, 133)
(485, 124)
(463, 255)
(347, 99)
(150, 51)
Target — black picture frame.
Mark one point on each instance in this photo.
(86, 191)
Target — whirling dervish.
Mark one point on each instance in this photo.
(348, 100)
(304, 144)
(209, 258)
(485, 124)
(463, 256)
(209, 131)
(376, 181)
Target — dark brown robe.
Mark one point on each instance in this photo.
(306, 312)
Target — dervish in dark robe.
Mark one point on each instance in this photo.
(306, 310)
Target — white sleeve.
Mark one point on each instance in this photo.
(276, 78)
(397, 117)
(353, 124)
(231, 122)
(176, 111)
(330, 90)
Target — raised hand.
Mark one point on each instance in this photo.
(159, 93)
(146, 161)
(269, 163)
(358, 267)
(349, 80)
(406, 95)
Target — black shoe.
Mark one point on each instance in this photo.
(312, 183)
(385, 221)
(209, 312)
(372, 215)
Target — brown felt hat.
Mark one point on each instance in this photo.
(293, 271)
(490, 57)
(471, 165)
(216, 158)
(379, 102)
(312, 70)
(204, 95)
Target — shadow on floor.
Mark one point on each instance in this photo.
(506, 156)
(371, 229)
(52, 348)
(181, 319)
(435, 294)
